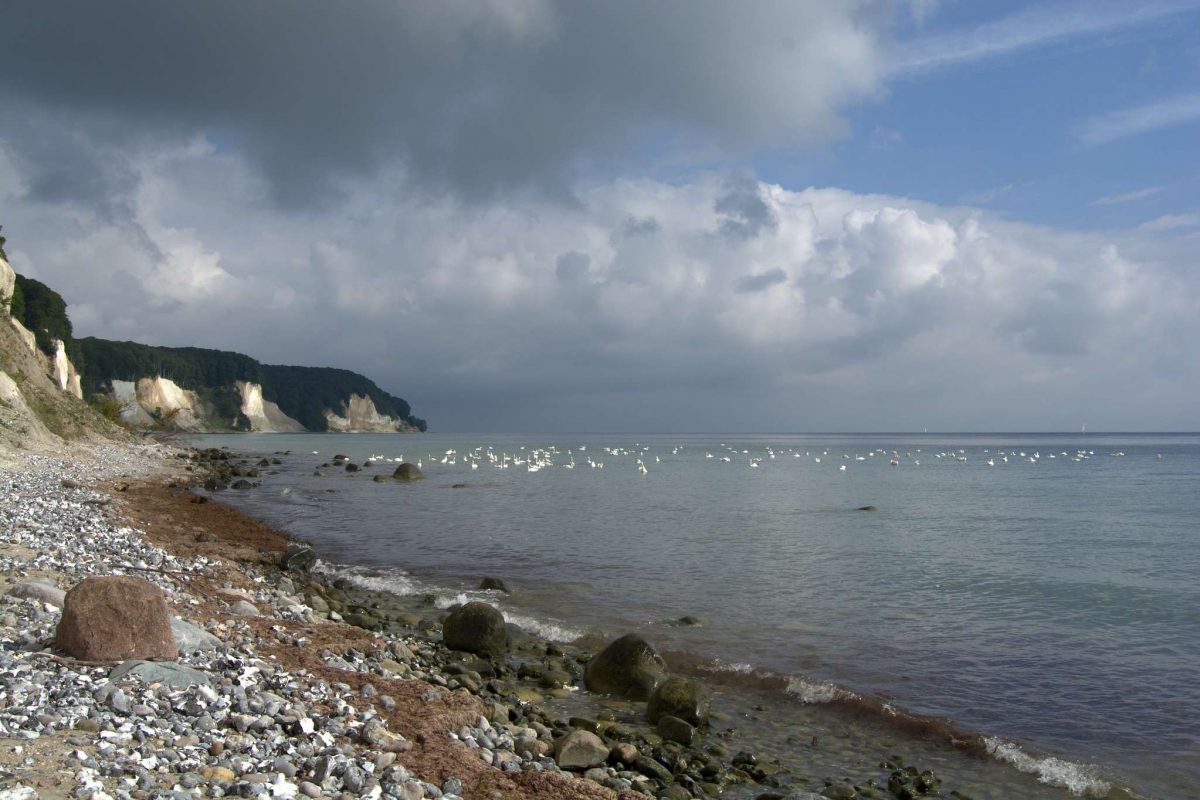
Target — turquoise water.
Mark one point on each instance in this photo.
(1049, 602)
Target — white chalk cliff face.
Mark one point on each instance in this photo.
(363, 417)
(160, 401)
(264, 416)
(58, 366)
(63, 371)
(8, 280)
(131, 413)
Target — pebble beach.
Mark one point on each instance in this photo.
(273, 693)
(293, 678)
(266, 699)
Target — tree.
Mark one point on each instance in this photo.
(44, 312)
(16, 304)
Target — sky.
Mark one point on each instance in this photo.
(530, 216)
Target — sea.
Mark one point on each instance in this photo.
(1020, 610)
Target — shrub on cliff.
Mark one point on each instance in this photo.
(108, 407)
(44, 312)
(16, 305)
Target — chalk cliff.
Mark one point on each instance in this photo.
(263, 415)
(189, 388)
(8, 281)
(183, 388)
(38, 409)
(56, 363)
(160, 403)
(64, 371)
(361, 416)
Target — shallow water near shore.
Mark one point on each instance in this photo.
(1042, 608)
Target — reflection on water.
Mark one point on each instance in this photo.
(1034, 588)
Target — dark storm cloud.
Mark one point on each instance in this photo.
(446, 197)
(743, 212)
(759, 281)
(475, 97)
(646, 226)
(62, 162)
(572, 267)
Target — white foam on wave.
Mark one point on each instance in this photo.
(446, 600)
(395, 582)
(399, 583)
(546, 629)
(1082, 780)
(720, 665)
(816, 691)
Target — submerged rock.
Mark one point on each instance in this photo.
(476, 628)
(673, 729)
(629, 667)
(408, 472)
(494, 584)
(679, 697)
(907, 783)
(298, 560)
(116, 618)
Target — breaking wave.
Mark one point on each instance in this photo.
(1080, 779)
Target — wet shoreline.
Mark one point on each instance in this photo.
(855, 736)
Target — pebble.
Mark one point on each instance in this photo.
(255, 729)
(249, 733)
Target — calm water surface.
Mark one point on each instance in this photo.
(1049, 601)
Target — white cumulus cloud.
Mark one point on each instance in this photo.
(715, 302)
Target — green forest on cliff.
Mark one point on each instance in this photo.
(303, 393)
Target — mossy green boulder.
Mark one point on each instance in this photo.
(629, 667)
(681, 698)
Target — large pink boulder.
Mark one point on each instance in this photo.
(116, 618)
